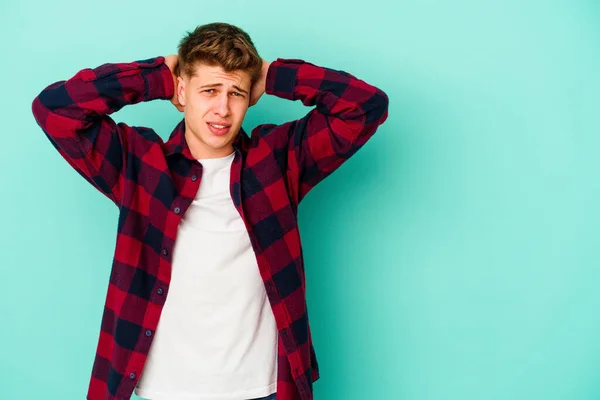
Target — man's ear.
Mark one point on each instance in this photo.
(181, 90)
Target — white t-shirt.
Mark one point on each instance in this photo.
(216, 338)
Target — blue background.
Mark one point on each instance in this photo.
(454, 257)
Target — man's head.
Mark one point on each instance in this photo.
(218, 64)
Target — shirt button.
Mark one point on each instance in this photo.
(160, 291)
(194, 177)
(177, 210)
(132, 375)
(148, 333)
(165, 252)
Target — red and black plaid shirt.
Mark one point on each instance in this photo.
(153, 183)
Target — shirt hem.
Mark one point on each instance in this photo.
(240, 395)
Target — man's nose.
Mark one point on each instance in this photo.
(222, 106)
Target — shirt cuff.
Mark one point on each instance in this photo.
(158, 78)
(282, 77)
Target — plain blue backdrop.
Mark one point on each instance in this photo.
(455, 257)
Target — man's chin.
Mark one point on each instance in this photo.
(218, 142)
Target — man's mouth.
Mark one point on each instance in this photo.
(219, 126)
(218, 129)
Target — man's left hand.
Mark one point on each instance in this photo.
(258, 88)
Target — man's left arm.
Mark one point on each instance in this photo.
(347, 113)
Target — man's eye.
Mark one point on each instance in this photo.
(237, 94)
(209, 90)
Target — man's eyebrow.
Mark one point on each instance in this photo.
(239, 89)
(213, 85)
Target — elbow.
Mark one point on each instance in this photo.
(384, 102)
(38, 107)
(37, 110)
(52, 108)
(54, 97)
(375, 112)
(377, 108)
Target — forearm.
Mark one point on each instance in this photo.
(91, 94)
(334, 93)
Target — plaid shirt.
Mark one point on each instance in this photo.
(154, 182)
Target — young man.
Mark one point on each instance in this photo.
(206, 298)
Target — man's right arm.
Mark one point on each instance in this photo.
(74, 115)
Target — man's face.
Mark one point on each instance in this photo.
(214, 105)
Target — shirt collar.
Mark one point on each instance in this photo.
(178, 144)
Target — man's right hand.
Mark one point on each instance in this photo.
(172, 61)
